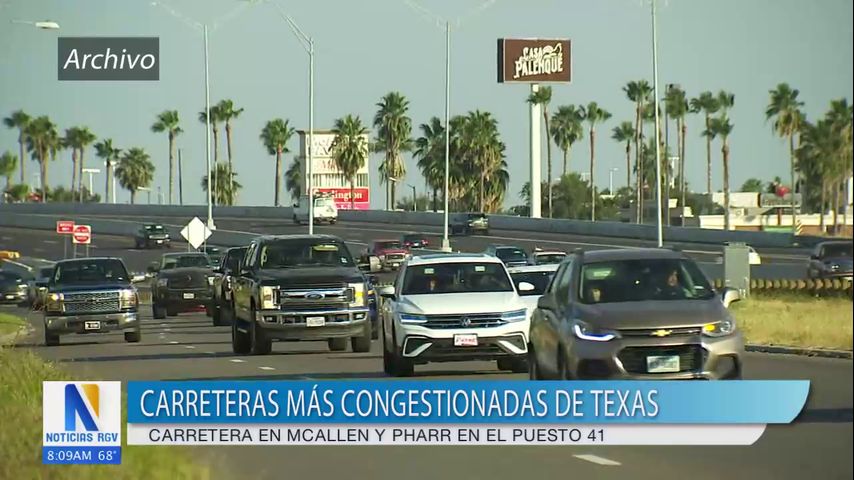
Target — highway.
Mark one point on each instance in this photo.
(818, 445)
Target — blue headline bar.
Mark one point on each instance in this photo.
(492, 402)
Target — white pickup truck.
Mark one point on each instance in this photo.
(325, 210)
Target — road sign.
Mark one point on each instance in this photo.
(65, 227)
(196, 232)
(82, 234)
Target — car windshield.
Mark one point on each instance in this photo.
(462, 277)
(154, 228)
(387, 245)
(511, 254)
(838, 250)
(540, 281)
(324, 202)
(550, 258)
(9, 278)
(90, 271)
(477, 216)
(414, 237)
(642, 279)
(186, 261)
(304, 253)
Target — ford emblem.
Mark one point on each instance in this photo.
(314, 295)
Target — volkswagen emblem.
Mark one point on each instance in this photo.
(314, 296)
(465, 321)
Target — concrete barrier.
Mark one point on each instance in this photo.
(497, 222)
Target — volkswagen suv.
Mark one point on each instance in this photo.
(454, 307)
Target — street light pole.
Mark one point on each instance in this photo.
(211, 225)
(414, 198)
(660, 229)
(611, 180)
(310, 134)
(446, 243)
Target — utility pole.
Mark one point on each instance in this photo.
(180, 180)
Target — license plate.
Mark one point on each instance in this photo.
(160, 241)
(10, 297)
(315, 321)
(468, 340)
(189, 296)
(662, 364)
(92, 325)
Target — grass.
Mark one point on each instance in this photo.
(21, 376)
(10, 323)
(796, 321)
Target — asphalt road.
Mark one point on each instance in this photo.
(778, 263)
(817, 445)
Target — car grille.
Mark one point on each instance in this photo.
(91, 302)
(189, 280)
(659, 332)
(481, 320)
(691, 357)
(395, 257)
(314, 297)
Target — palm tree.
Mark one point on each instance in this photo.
(676, 103)
(594, 114)
(430, 152)
(8, 165)
(349, 150)
(394, 131)
(566, 129)
(483, 151)
(639, 92)
(707, 104)
(168, 121)
(85, 138)
(275, 137)
(543, 97)
(228, 113)
(19, 120)
(135, 171)
(840, 117)
(721, 127)
(785, 108)
(293, 181)
(42, 142)
(215, 115)
(72, 140)
(105, 150)
(625, 133)
(225, 192)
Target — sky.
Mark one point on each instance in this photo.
(367, 48)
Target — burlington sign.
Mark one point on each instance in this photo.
(534, 60)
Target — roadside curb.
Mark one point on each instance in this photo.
(809, 352)
(9, 338)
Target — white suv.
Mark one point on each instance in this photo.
(454, 307)
(325, 210)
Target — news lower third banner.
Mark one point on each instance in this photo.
(457, 412)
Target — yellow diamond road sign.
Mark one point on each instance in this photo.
(196, 232)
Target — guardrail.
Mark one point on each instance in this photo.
(810, 285)
(497, 222)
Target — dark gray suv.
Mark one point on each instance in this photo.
(634, 314)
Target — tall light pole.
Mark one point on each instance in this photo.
(660, 229)
(611, 179)
(91, 171)
(414, 197)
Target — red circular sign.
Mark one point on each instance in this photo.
(82, 234)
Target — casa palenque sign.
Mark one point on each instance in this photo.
(530, 60)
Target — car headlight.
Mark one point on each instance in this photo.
(585, 331)
(54, 302)
(211, 280)
(515, 315)
(162, 282)
(267, 298)
(128, 298)
(719, 329)
(359, 297)
(410, 318)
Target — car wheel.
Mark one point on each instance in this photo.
(157, 311)
(394, 365)
(50, 339)
(337, 344)
(261, 343)
(240, 341)
(362, 344)
(562, 366)
(171, 312)
(133, 337)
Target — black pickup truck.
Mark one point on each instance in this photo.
(183, 283)
(224, 279)
(300, 287)
(90, 295)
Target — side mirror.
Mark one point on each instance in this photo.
(729, 295)
(813, 256)
(365, 267)
(137, 277)
(526, 287)
(545, 302)
(387, 291)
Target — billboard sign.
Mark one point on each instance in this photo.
(534, 60)
(342, 197)
(770, 200)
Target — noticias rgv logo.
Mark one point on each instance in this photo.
(76, 407)
(108, 58)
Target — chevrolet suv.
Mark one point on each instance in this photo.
(453, 307)
(634, 314)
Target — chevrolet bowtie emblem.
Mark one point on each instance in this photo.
(661, 333)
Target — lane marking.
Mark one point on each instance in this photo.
(237, 360)
(173, 342)
(598, 460)
(266, 368)
(211, 353)
(50, 242)
(189, 346)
